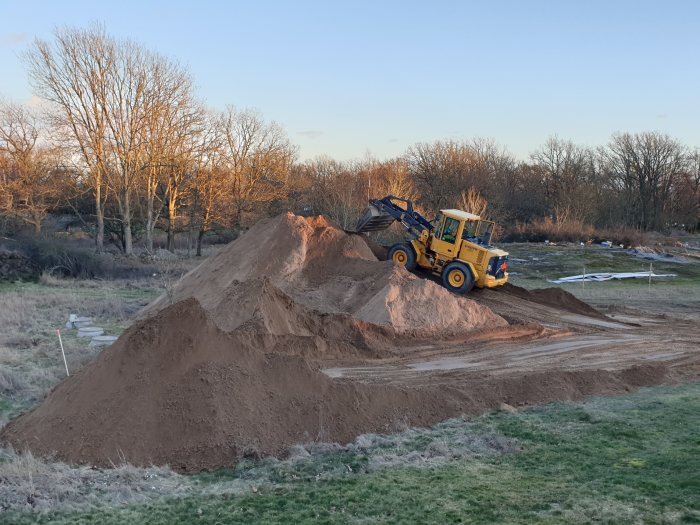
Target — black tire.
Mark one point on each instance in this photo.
(457, 277)
(403, 254)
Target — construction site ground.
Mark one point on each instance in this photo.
(615, 338)
(634, 323)
(627, 336)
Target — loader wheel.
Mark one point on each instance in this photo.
(457, 277)
(403, 255)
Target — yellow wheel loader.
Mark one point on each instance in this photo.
(455, 246)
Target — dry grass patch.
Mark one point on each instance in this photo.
(30, 483)
(30, 357)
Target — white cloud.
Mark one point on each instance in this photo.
(13, 39)
(311, 134)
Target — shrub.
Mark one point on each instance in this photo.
(62, 258)
(573, 230)
(15, 266)
(547, 228)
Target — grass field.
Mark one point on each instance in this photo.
(30, 357)
(533, 265)
(628, 459)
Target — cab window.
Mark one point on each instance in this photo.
(485, 232)
(470, 229)
(438, 228)
(449, 231)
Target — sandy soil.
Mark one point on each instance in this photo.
(572, 342)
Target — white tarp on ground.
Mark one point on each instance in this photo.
(609, 276)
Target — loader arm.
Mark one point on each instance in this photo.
(381, 213)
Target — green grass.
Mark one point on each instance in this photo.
(536, 263)
(628, 459)
(532, 265)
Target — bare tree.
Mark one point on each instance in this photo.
(645, 167)
(181, 160)
(686, 195)
(473, 202)
(567, 173)
(28, 172)
(258, 157)
(442, 170)
(73, 75)
(209, 196)
(522, 194)
(127, 84)
(169, 106)
(340, 190)
(438, 170)
(392, 177)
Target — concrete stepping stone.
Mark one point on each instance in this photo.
(75, 321)
(90, 331)
(103, 340)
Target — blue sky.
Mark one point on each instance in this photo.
(355, 77)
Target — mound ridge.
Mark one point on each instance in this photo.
(288, 269)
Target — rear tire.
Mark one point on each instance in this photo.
(404, 255)
(457, 277)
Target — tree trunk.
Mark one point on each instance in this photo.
(200, 236)
(128, 242)
(237, 219)
(99, 213)
(171, 224)
(150, 219)
(149, 227)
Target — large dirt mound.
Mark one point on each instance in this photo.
(176, 389)
(219, 366)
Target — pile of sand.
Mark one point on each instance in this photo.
(220, 367)
(554, 297)
(288, 273)
(175, 389)
(178, 390)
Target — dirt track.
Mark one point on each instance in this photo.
(572, 342)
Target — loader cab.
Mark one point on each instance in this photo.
(453, 226)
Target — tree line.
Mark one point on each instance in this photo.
(123, 143)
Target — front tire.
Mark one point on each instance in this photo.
(403, 255)
(457, 277)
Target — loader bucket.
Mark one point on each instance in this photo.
(373, 220)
